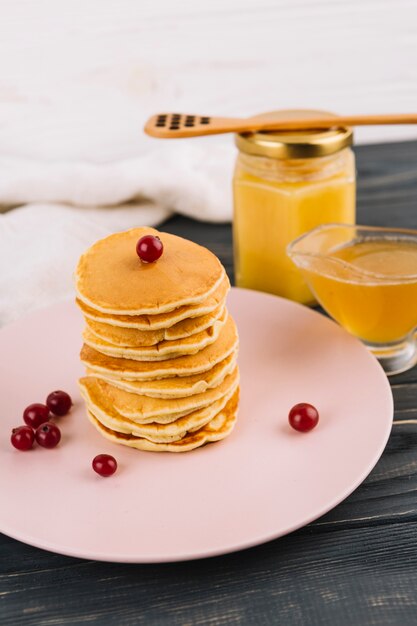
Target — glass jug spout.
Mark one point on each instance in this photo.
(313, 251)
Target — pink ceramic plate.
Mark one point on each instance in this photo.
(262, 482)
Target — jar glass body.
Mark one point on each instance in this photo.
(276, 201)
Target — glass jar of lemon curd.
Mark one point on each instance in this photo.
(285, 184)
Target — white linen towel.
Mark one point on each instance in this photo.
(52, 211)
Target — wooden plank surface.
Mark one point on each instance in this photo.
(356, 565)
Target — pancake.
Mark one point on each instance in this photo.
(218, 428)
(177, 386)
(111, 278)
(156, 432)
(133, 338)
(161, 351)
(188, 365)
(143, 409)
(160, 320)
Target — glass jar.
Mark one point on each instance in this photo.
(286, 183)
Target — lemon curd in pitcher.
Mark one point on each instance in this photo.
(284, 185)
(373, 299)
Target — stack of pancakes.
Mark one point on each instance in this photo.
(160, 347)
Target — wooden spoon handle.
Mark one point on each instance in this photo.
(339, 120)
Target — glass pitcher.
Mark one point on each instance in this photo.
(366, 279)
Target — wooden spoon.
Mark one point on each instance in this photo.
(176, 125)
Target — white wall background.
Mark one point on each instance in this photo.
(79, 77)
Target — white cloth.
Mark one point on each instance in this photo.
(52, 211)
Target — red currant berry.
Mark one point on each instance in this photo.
(303, 417)
(35, 414)
(149, 248)
(104, 464)
(22, 437)
(59, 402)
(48, 435)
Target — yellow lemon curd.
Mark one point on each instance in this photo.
(270, 211)
(374, 294)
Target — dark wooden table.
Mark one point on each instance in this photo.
(357, 565)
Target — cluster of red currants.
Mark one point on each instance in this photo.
(47, 434)
(38, 425)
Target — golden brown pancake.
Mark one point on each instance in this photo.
(155, 431)
(188, 365)
(176, 386)
(161, 351)
(160, 320)
(111, 278)
(143, 409)
(218, 428)
(134, 338)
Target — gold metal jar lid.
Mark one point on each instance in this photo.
(301, 144)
